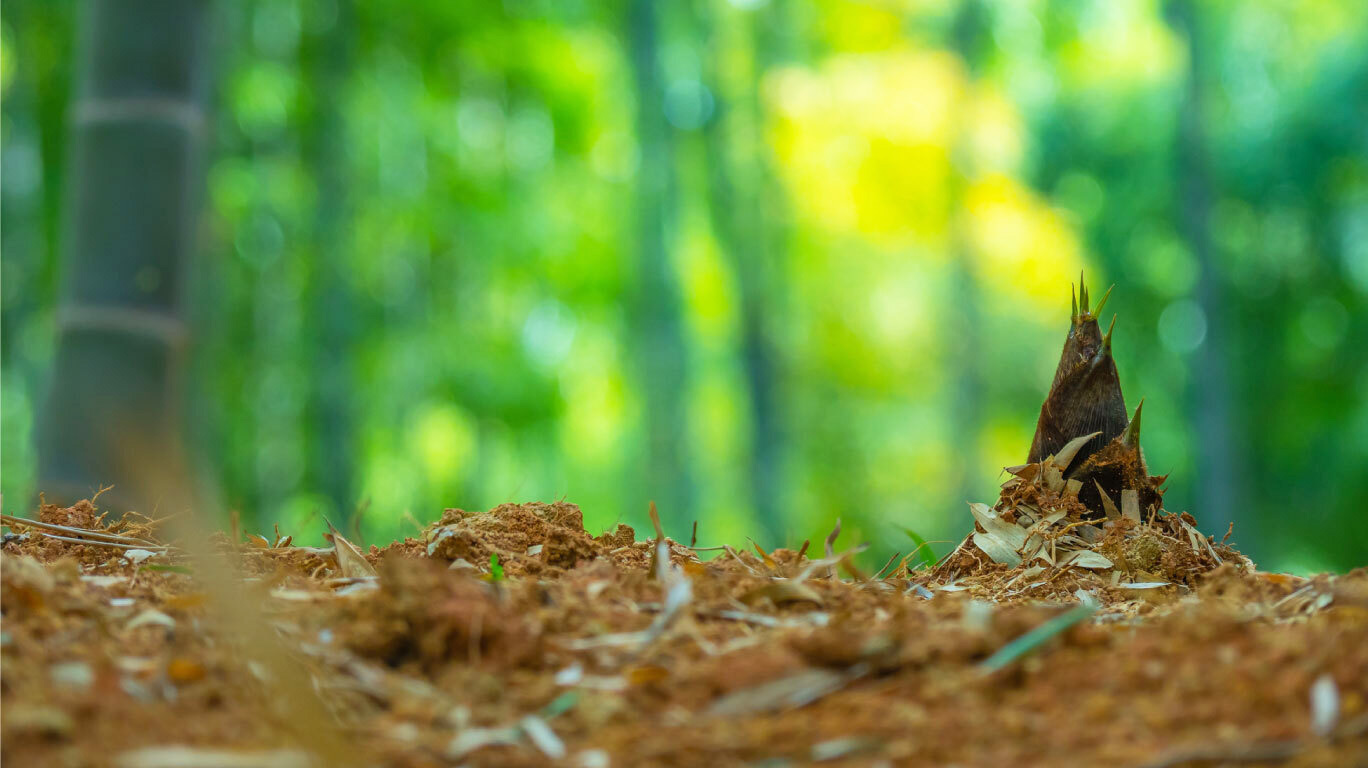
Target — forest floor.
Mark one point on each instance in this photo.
(514, 637)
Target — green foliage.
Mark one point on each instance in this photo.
(423, 282)
(923, 552)
(496, 571)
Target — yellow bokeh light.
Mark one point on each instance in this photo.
(1021, 246)
(445, 438)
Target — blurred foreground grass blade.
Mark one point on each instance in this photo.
(924, 552)
(1036, 637)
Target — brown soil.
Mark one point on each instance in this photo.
(588, 652)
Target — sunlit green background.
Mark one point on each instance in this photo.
(769, 263)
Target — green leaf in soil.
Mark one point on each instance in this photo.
(923, 551)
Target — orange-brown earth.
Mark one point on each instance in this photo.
(591, 652)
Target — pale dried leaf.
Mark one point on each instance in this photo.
(349, 559)
(357, 587)
(789, 692)
(782, 593)
(831, 539)
(1026, 574)
(1054, 478)
(1041, 552)
(471, 739)
(996, 549)
(136, 556)
(1130, 504)
(296, 595)
(813, 619)
(1085, 558)
(1071, 449)
(151, 617)
(1011, 533)
(1090, 534)
(212, 757)
(541, 735)
(1072, 487)
(1199, 542)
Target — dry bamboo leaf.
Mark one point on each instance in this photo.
(831, 547)
(1072, 487)
(1035, 549)
(349, 559)
(789, 692)
(1053, 477)
(1085, 558)
(136, 556)
(657, 551)
(1199, 542)
(541, 736)
(813, 619)
(1026, 574)
(471, 739)
(997, 549)
(1053, 518)
(831, 538)
(1035, 542)
(1010, 533)
(826, 562)
(764, 556)
(1071, 449)
(1130, 504)
(151, 617)
(211, 757)
(782, 593)
(1090, 534)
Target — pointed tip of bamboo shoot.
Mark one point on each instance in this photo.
(1106, 340)
(1097, 311)
(1131, 437)
(1073, 299)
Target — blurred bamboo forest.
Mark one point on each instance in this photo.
(768, 263)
